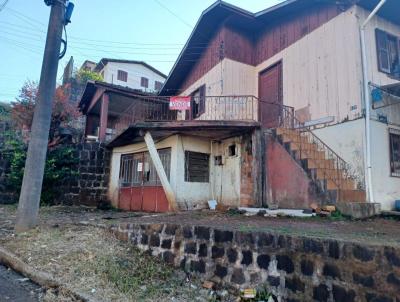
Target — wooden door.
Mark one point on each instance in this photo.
(270, 96)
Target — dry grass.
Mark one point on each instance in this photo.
(91, 261)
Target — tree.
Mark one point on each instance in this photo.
(82, 76)
(63, 112)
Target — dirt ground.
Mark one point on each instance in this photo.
(87, 258)
(371, 231)
(91, 261)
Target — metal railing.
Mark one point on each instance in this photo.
(326, 164)
(212, 108)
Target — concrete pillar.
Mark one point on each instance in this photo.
(160, 171)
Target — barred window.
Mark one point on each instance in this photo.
(394, 140)
(197, 168)
(144, 82)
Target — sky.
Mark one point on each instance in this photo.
(150, 30)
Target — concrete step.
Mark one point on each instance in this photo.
(352, 196)
(295, 146)
(312, 154)
(343, 184)
(320, 163)
(329, 174)
(359, 210)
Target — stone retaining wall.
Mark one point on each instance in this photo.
(89, 187)
(292, 268)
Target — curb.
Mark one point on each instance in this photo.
(43, 279)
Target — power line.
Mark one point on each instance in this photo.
(172, 13)
(3, 5)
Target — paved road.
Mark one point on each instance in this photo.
(15, 288)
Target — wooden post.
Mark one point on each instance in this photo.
(160, 171)
(103, 117)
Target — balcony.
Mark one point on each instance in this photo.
(208, 108)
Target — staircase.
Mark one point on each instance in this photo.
(328, 171)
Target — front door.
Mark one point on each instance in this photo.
(140, 187)
(270, 96)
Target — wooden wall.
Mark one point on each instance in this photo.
(254, 48)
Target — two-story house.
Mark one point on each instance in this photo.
(275, 114)
(132, 74)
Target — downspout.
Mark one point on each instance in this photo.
(367, 103)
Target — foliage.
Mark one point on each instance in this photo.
(5, 110)
(63, 112)
(82, 76)
(60, 165)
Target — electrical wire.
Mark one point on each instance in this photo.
(172, 13)
(3, 5)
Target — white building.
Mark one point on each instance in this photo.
(132, 74)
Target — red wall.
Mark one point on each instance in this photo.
(287, 184)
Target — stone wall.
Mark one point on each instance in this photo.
(89, 187)
(6, 195)
(292, 268)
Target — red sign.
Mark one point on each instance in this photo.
(179, 103)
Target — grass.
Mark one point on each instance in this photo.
(93, 262)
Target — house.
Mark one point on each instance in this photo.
(272, 112)
(132, 74)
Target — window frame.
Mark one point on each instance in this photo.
(381, 34)
(394, 133)
(201, 106)
(122, 75)
(157, 83)
(130, 177)
(189, 170)
(144, 82)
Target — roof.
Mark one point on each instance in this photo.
(103, 62)
(92, 86)
(220, 11)
(216, 130)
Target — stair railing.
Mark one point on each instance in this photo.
(309, 146)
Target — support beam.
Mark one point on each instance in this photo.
(160, 171)
(103, 117)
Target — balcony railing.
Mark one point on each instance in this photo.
(212, 108)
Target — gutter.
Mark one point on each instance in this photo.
(367, 103)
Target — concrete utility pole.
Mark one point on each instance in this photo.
(29, 199)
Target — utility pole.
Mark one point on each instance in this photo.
(29, 199)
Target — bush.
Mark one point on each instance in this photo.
(60, 165)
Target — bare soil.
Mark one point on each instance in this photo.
(69, 244)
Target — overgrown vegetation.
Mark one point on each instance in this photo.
(60, 165)
(82, 76)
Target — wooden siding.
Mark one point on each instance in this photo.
(283, 34)
(254, 48)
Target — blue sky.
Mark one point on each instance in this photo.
(150, 30)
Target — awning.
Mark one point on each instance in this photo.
(215, 130)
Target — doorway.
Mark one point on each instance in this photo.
(270, 96)
(140, 187)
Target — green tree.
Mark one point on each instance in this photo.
(82, 76)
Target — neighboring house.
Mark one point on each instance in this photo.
(132, 74)
(276, 112)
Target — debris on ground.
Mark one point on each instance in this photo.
(275, 213)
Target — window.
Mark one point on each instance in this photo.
(138, 170)
(144, 82)
(198, 105)
(196, 167)
(232, 150)
(394, 141)
(122, 76)
(388, 53)
(157, 85)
